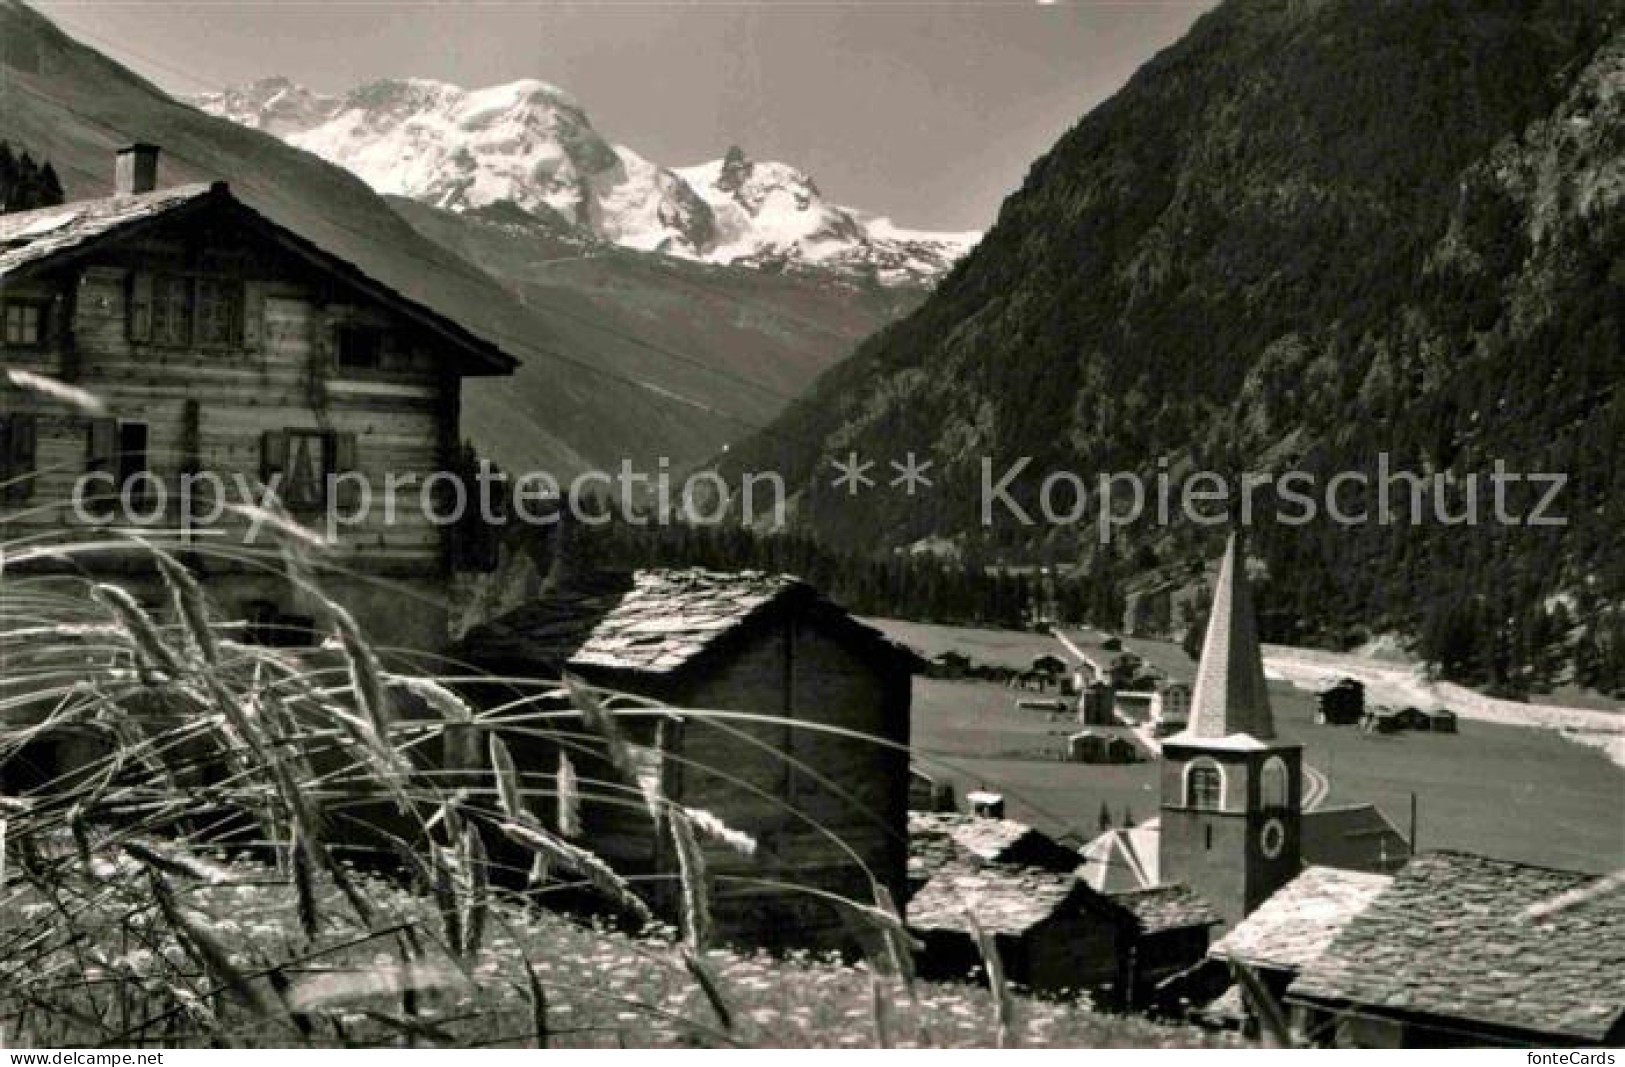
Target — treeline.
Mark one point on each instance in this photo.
(925, 588)
(25, 184)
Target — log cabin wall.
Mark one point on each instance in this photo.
(217, 349)
(849, 789)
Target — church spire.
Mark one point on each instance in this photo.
(1230, 696)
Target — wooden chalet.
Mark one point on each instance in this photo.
(221, 341)
(827, 805)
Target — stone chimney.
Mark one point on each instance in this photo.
(136, 170)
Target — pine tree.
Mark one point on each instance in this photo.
(50, 187)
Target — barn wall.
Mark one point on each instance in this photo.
(1072, 951)
(848, 788)
(209, 409)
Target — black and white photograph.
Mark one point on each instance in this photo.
(811, 524)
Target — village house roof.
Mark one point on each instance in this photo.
(1166, 907)
(1230, 697)
(1357, 837)
(1296, 924)
(1005, 899)
(940, 839)
(46, 237)
(1453, 937)
(656, 622)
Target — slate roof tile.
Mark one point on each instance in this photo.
(1452, 936)
(1167, 907)
(655, 621)
(1296, 924)
(27, 236)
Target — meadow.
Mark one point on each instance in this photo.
(1520, 793)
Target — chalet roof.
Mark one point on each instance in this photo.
(1452, 936)
(1005, 899)
(39, 238)
(1167, 907)
(30, 236)
(1230, 697)
(652, 621)
(941, 839)
(1296, 924)
(1358, 837)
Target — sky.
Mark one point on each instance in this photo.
(929, 111)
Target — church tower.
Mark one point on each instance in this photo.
(1231, 793)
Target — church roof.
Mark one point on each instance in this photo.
(1230, 696)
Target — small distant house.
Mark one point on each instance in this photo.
(1441, 720)
(985, 804)
(1170, 708)
(1454, 951)
(1048, 664)
(746, 642)
(1342, 703)
(1124, 671)
(1411, 718)
(1094, 746)
(1098, 704)
(1382, 720)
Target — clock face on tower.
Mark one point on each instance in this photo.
(1271, 838)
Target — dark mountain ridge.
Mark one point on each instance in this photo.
(1304, 235)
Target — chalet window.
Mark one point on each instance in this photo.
(359, 347)
(178, 310)
(218, 306)
(18, 435)
(1204, 786)
(171, 310)
(24, 323)
(299, 462)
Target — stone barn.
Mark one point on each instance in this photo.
(827, 806)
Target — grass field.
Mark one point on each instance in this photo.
(1520, 793)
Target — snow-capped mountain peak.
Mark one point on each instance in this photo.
(531, 143)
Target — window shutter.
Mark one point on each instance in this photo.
(22, 446)
(343, 452)
(273, 455)
(139, 319)
(252, 309)
(102, 445)
(344, 460)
